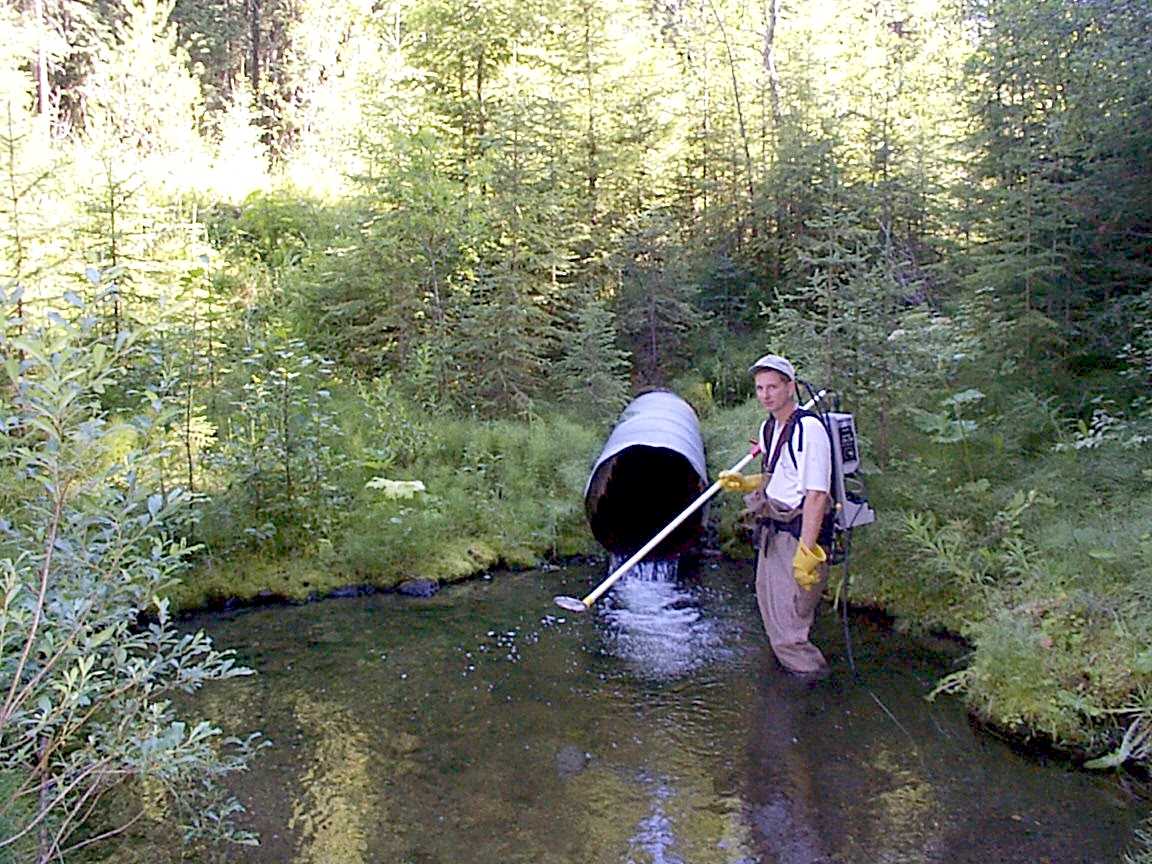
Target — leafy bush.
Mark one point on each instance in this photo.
(1043, 564)
(1143, 853)
(89, 657)
(275, 228)
(1015, 678)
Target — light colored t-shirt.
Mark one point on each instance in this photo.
(813, 457)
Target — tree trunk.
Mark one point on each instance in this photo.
(736, 100)
(15, 195)
(771, 19)
(253, 8)
(589, 95)
(480, 126)
(41, 60)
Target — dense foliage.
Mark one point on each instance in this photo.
(358, 287)
(88, 685)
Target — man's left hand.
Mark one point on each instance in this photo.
(806, 565)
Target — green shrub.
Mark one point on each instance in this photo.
(275, 469)
(1044, 564)
(1017, 678)
(84, 559)
(274, 228)
(1142, 854)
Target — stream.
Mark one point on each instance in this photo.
(484, 725)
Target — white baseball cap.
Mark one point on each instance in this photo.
(774, 363)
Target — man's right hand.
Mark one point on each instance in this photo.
(734, 481)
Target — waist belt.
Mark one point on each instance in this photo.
(773, 511)
(775, 516)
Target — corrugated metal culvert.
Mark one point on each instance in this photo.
(651, 468)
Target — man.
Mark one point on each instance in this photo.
(791, 504)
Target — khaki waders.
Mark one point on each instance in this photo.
(786, 609)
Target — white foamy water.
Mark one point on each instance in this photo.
(656, 625)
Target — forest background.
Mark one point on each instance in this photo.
(264, 263)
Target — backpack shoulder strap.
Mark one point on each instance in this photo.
(798, 432)
(785, 438)
(766, 429)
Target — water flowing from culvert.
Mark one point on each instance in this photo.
(482, 726)
(655, 623)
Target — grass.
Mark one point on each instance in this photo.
(1055, 598)
(497, 493)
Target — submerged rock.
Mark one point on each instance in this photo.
(418, 587)
(571, 760)
(402, 743)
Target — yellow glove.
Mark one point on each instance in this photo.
(734, 481)
(806, 565)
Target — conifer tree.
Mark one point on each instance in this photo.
(1052, 135)
(601, 61)
(461, 52)
(56, 41)
(115, 239)
(216, 35)
(655, 297)
(29, 248)
(592, 373)
(394, 286)
(509, 322)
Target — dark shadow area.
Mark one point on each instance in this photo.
(634, 494)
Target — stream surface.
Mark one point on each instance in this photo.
(486, 726)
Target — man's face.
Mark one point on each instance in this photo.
(773, 390)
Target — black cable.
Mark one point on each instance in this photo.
(844, 590)
(844, 607)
